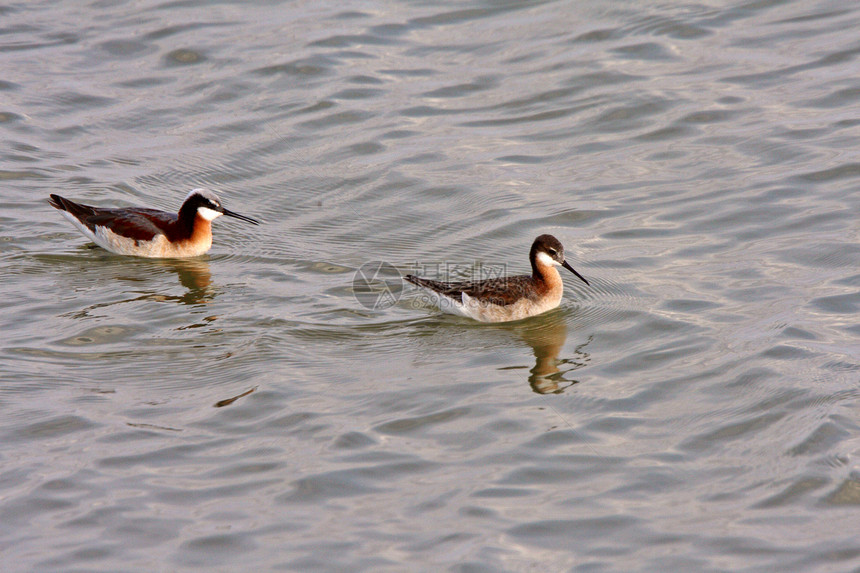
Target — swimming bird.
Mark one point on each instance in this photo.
(507, 298)
(142, 232)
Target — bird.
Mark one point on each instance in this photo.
(142, 232)
(505, 299)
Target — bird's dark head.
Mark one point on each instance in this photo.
(547, 250)
(205, 203)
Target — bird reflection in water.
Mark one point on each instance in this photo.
(550, 373)
(194, 275)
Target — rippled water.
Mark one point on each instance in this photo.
(695, 409)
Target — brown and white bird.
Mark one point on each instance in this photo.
(142, 232)
(507, 298)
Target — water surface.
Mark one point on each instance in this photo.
(694, 409)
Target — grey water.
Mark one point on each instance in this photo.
(286, 403)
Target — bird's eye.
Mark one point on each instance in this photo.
(553, 252)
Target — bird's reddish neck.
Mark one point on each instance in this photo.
(188, 219)
(544, 273)
(201, 229)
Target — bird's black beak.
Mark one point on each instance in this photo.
(244, 218)
(570, 268)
